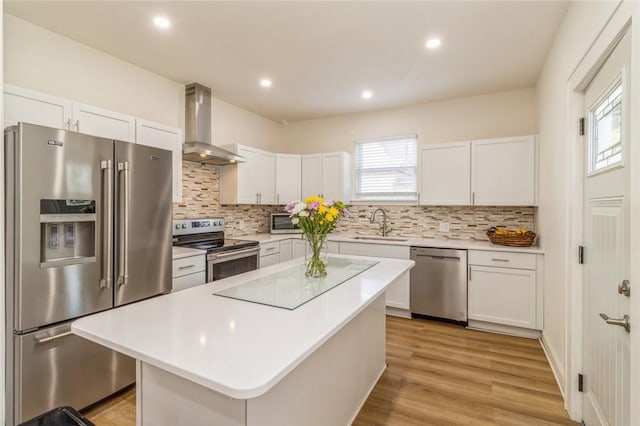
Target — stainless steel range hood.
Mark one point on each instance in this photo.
(197, 146)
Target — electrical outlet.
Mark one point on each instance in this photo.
(444, 227)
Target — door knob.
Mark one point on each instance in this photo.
(625, 288)
(625, 321)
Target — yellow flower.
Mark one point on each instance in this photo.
(313, 198)
(334, 212)
(329, 217)
(322, 209)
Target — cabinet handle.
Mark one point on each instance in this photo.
(418, 198)
(499, 260)
(270, 248)
(469, 279)
(186, 267)
(77, 125)
(257, 198)
(473, 198)
(68, 124)
(277, 198)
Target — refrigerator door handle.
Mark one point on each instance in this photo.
(123, 223)
(48, 338)
(107, 224)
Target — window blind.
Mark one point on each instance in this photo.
(386, 169)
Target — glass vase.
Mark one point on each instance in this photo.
(316, 255)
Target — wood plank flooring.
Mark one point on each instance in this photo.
(439, 374)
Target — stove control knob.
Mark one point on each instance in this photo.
(216, 223)
(178, 226)
(184, 226)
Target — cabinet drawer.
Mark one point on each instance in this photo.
(270, 259)
(187, 281)
(188, 265)
(269, 248)
(502, 259)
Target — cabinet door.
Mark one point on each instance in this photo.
(398, 293)
(503, 296)
(267, 177)
(101, 122)
(288, 178)
(297, 248)
(165, 137)
(285, 250)
(311, 175)
(271, 259)
(247, 176)
(333, 177)
(445, 174)
(503, 171)
(28, 106)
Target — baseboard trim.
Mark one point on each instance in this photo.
(552, 358)
(398, 312)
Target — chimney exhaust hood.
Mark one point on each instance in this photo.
(197, 146)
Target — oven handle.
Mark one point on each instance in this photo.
(236, 254)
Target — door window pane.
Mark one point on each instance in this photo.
(606, 125)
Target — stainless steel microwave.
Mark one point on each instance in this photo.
(280, 223)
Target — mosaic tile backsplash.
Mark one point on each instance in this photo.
(200, 198)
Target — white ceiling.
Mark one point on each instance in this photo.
(320, 55)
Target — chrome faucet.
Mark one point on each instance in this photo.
(372, 219)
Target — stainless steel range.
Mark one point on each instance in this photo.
(225, 257)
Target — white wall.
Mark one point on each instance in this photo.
(583, 22)
(44, 61)
(509, 113)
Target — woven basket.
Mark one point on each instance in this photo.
(514, 240)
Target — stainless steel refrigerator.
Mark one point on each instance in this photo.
(88, 228)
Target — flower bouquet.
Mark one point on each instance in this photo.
(316, 218)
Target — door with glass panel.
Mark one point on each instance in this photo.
(606, 332)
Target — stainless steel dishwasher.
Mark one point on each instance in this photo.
(439, 284)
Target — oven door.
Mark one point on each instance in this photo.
(228, 264)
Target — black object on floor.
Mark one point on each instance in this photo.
(61, 416)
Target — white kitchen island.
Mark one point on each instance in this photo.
(205, 359)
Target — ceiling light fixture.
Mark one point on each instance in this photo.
(265, 82)
(433, 43)
(367, 94)
(161, 22)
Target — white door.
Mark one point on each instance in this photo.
(445, 174)
(267, 177)
(164, 137)
(288, 178)
(28, 106)
(503, 171)
(332, 183)
(606, 351)
(311, 175)
(247, 175)
(104, 123)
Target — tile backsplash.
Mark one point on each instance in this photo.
(200, 198)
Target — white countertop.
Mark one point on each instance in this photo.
(409, 241)
(234, 347)
(180, 252)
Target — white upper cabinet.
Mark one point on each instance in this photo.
(328, 175)
(503, 171)
(311, 175)
(488, 172)
(101, 122)
(445, 174)
(28, 106)
(165, 137)
(288, 178)
(39, 108)
(249, 182)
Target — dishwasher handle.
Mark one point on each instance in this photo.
(431, 256)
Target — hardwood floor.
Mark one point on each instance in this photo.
(439, 374)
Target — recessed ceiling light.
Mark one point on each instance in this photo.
(433, 43)
(265, 82)
(367, 94)
(161, 22)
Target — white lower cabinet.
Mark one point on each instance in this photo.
(188, 272)
(505, 289)
(297, 248)
(285, 250)
(397, 295)
(269, 253)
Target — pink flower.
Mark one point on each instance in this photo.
(289, 207)
(314, 205)
(345, 212)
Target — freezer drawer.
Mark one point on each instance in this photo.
(55, 368)
(439, 283)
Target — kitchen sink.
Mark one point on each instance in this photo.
(380, 239)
